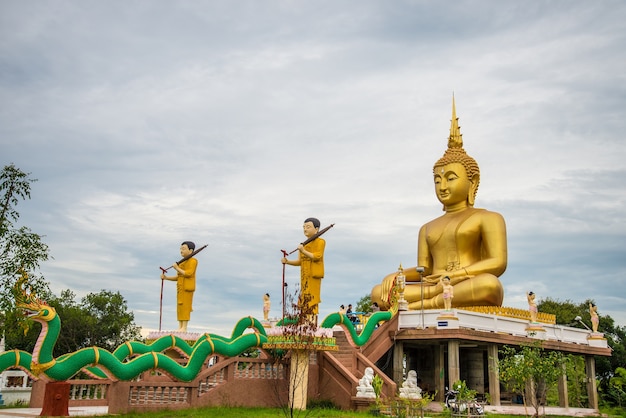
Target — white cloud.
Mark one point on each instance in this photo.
(152, 123)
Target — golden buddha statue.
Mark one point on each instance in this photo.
(466, 244)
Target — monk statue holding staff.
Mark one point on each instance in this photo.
(311, 262)
(185, 279)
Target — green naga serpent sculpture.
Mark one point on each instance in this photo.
(133, 358)
(127, 361)
(377, 317)
(359, 339)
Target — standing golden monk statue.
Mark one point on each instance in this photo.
(185, 279)
(466, 244)
(311, 262)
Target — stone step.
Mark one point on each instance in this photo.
(345, 354)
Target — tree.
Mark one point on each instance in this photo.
(617, 386)
(75, 324)
(111, 324)
(364, 304)
(531, 370)
(566, 313)
(21, 250)
(576, 381)
(295, 338)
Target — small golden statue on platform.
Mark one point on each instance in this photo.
(448, 293)
(534, 328)
(267, 305)
(532, 306)
(595, 319)
(466, 244)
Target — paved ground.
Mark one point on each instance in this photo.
(34, 412)
(550, 410)
(519, 410)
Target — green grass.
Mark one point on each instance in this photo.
(530, 412)
(613, 411)
(315, 412)
(222, 412)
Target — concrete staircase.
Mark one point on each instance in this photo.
(345, 354)
(341, 370)
(373, 350)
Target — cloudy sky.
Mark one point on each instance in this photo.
(148, 123)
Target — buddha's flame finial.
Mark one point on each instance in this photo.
(455, 140)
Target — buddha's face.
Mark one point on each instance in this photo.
(452, 185)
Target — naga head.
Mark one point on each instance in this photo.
(34, 307)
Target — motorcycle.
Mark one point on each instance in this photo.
(450, 399)
(475, 407)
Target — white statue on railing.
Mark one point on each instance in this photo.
(409, 389)
(365, 388)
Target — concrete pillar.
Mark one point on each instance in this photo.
(56, 399)
(563, 395)
(398, 364)
(592, 391)
(440, 374)
(474, 369)
(454, 368)
(299, 379)
(494, 376)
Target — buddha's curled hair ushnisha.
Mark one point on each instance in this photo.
(458, 155)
